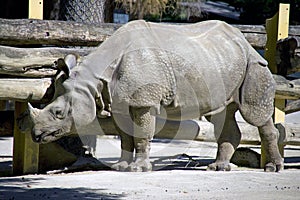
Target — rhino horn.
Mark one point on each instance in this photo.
(68, 63)
(33, 111)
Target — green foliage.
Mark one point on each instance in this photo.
(252, 11)
(154, 10)
(140, 8)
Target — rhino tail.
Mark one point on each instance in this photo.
(257, 92)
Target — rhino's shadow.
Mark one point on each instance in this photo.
(181, 162)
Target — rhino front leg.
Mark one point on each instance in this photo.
(144, 127)
(269, 138)
(228, 136)
(124, 127)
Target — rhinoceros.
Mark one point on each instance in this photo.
(148, 70)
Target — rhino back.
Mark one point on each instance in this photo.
(198, 67)
(150, 64)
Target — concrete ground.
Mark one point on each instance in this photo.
(176, 176)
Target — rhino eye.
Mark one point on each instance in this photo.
(59, 114)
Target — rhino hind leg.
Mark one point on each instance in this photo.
(228, 137)
(124, 127)
(144, 127)
(269, 138)
(257, 107)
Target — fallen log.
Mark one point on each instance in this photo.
(39, 88)
(292, 106)
(200, 131)
(286, 89)
(34, 62)
(19, 32)
(25, 89)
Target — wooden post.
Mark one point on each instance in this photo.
(283, 32)
(277, 28)
(25, 151)
(35, 9)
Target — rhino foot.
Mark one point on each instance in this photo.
(271, 167)
(219, 166)
(140, 166)
(120, 166)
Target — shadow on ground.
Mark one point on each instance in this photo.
(20, 188)
(181, 162)
(176, 162)
(292, 163)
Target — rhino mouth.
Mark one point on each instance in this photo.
(46, 137)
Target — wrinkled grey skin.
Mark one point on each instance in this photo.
(177, 72)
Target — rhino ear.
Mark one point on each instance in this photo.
(67, 63)
(293, 43)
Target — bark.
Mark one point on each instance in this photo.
(292, 106)
(34, 62)
(49, 32)
(25, 89)
(204, 131)
(286, 89)
(37, 32)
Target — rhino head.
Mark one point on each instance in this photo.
(52, 122)
(69, 108)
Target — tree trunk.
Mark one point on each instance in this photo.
(140, 10)
(86, 11)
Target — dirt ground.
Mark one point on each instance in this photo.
(176, 176)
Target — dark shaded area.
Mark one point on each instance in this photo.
(6, 123)
(14, 9)
(181, 162)
(257, 11)
(18, 191)
(291, 161)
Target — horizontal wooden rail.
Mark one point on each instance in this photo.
(18, 32)
(24, 89)
(34, 62)
(61, 33)
(286, 89)
(204, 131)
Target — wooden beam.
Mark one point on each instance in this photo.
(36, 89)
(292, 106)
(270, 50)
(277, 28)
(25, 57)
(25, 89)
(282, 32)
(50, 32)
(286, 89)
(25, 151)
(34, 62)
(283, 21)
(35, 9)
(61, 33)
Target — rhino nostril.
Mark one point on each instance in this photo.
(36, 138)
